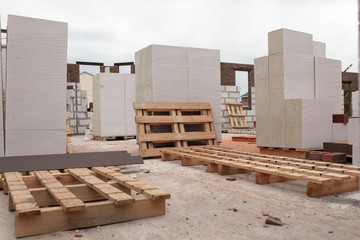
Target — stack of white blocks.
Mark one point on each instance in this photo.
(79, 117)
(2, 147)
(36, 87)
(298, 89)
(113, 95)
(179, 74)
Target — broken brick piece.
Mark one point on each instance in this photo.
(231, 178)
(273, 221)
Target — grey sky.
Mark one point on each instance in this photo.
(112, 31)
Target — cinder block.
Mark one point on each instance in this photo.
(70, 93)
(230, 88)
(286, 40)
(83, 94)
(230, 100)
(234, 95)
(224, 94)
(84, 122)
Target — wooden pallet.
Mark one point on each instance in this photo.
(122, 137)
(287, 152)
(164, 124)
(322, 178)
(237, 115)
(50, 201)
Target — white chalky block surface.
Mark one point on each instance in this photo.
(261, 68)
(340, 132)
(113, 104)
(286, 40)
(1, 106)
(36, 94)
(319, 49)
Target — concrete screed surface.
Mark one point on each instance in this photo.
(202, 206)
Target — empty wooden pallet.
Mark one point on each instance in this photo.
(237, 115)
(322, 178)
(50, 201)
(176, 124)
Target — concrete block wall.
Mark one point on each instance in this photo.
(113, 95)
(179, 74)
(36, 94)
(76, 107)
(298, 90)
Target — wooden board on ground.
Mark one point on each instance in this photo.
(62, 161)
(323, 178)
(47, 202)
(163, 125)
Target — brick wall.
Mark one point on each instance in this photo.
(350, 79)
(113, 69)
(73, 72)
(228, 76)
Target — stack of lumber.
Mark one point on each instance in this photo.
(50, 201)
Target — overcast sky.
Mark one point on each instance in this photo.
(113, 30)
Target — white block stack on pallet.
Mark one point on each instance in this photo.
(179, 74)
(297, 90)
(2, 147)
(79, 117)
(113, 95)
(36, 87)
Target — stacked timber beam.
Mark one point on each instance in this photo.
(322, 178)
(178, 124)
(50, 201)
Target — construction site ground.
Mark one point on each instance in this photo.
(207, 206)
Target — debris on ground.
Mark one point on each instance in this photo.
(273, 221)
(231, 178)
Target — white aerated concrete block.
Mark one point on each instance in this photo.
(328, 82)
(355, 102)
(308, 123)
(179, 74)
(340, 132)
(261, 68)
(286, 40)
(292, 72)
(319, 49)
(36, 95)
(1, 107)
(113, 104)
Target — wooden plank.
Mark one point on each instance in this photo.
(169, 137)
(151, 106)
(95, 214)
(161, 120)
(145, 189)
(319, 190)
(113, 194)
(68, 201)
(175, 127)
(212, 167)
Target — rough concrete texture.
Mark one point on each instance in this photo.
(207, 206)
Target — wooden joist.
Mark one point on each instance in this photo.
(173, 124)
(329, 179)
(49, 201)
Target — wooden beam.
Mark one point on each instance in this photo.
(189, 161)
(226, 170)
(264, 178)
(95, 214)
(212, 167)
(166, 156)
(319, 190)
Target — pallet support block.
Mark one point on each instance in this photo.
(212, 167)
(168, 156)
(335, 187)
(226, 170)
(55, 219)
(264, 178)
(186, 161)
